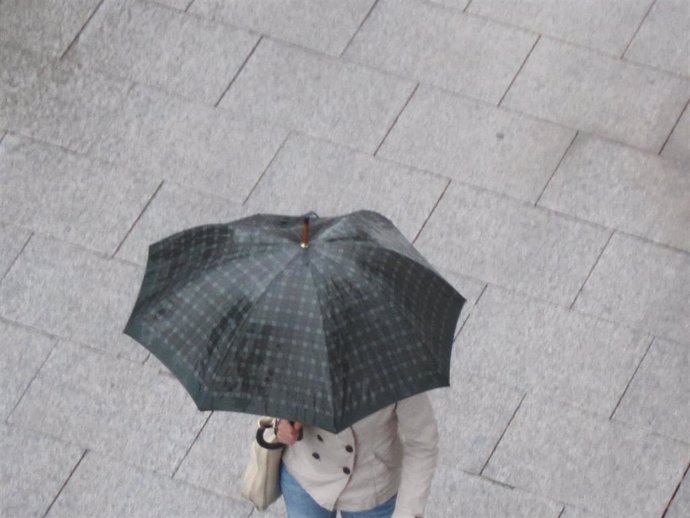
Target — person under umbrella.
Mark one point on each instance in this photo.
(341, 335)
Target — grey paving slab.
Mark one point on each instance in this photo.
(446, 48)
(309, 174)
(322, 25)
(57, 102)
(680, 507)
(220, 454)
(657, 397)
(71, 197)
(459, 5)
(559, 452)
(456, 493)
(44, 26)
(472, 414)
(197, 146)
(106, 488)
(539, 347)
(321, 96)
(111, 405)
(662, 40)
(641, 284)
(636, 192)
(500, 240)
(33, 468)
(595, 93)
(12, 239)
(475, 143)
(181, 5)
(606, 26)
(175, 208)
(573, 512)
(21, 354)
(68, 291)
(189, 56)
(678, 144)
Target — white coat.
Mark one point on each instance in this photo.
(366, 464)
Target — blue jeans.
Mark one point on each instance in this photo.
(300, 504)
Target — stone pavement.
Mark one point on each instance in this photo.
(537, 152)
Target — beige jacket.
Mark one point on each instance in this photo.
(366, 464)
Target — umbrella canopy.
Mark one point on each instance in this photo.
(318, 320)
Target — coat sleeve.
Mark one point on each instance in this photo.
(419, 431)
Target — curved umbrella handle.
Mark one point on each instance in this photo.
(262, 442)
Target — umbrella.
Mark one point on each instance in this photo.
(318, 320)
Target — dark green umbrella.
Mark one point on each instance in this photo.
(318, 320)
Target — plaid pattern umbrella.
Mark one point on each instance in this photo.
(318, 320)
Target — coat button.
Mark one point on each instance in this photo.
(349, 448)
(319, 437)
(346, 470)
(316, 455)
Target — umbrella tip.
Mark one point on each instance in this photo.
(305, 233)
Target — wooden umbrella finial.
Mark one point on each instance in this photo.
(305, 233)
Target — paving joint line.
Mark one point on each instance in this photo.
(567, 150)
(670, 133)
(239, 71)
(69, 477)
(76, 38)
(591, 270)
(268, 166)
(675, 493)
(627, 386)
(354, 34)
(12, 263)
(510, 421)
(644, 19)
(395, 120)
(522, 65)
(191, 445)
(134, 224)
(431, 211)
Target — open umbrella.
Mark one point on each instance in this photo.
(318, 320)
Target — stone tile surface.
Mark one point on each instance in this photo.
(561, 453)
(678, 144)
(657, 397)
(70, 292)
(606, 26)
(446, 48)
(57, 102)
(106, 488)
(175, 208)
(12, 239)
(635, 192)
(539, 347)
(472, 414)
(642, 285)
(323, 25)
(309, 174)
(456, 493)
(598, 94)
(662, 40)
(22, 352)
(197, 146)
(320, 96)
(33, 468)
(230, 433)
(469, 288)
(505, 242)
(43, 26)
(189, 56)
(70, 197)
(477, 144)
(112, 406)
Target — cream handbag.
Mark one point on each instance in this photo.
(261, 483)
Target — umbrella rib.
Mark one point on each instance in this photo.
(391, 298)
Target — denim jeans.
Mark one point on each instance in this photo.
(300, 505)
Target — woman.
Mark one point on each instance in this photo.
(365, 471)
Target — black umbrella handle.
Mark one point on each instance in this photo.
(262, 442)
